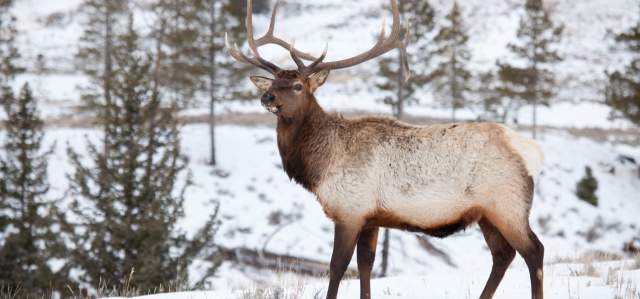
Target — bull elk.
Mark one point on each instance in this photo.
(375, 172)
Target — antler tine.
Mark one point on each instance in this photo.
(295, 57)
(238, 55)
(321, 58)
(308, 70)
(270, 38)
(251, 40)
(272, 23)
(383, 45)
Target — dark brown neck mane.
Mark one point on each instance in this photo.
(304, 145)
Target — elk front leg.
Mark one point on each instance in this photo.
(366, 256)
(344, 243)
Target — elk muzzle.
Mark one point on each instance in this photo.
(268, 100)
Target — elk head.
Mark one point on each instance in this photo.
(290, 92)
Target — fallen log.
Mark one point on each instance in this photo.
(265, 260)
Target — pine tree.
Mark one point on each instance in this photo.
(623, 91)
(29, 222)
(8, 51)
(452, 79)
(225, 17)
(419, 14)
(500, 91)
(533, 82)
(491, 100)
(587, 187)
(102, 22)
(130, 198)
(181, 56)
(189, 38)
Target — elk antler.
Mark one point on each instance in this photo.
(382, 46)
(254, 44)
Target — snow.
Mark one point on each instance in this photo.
(561, 282)
(586, 47)
(256, 187)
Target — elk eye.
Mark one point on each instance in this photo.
(297, 87)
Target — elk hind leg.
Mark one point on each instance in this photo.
(526, 243)
(533, 255)
(502, 254)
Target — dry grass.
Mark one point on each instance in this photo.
(627, 289)
(9, 292)
(588, 257)
(636, 262)
(103, 290)
(586, 270)
(271, 293)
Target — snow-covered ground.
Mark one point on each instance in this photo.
(603, 280)
(262, 209)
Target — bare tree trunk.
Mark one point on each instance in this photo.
(534, 125)
(385, 254)
(453, 111)
(453, 86)
(256, 259)
(106, 79)
(212, 77)
(534, 116)
(400, 99)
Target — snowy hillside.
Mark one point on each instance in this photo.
(52, 28)
(262, 209)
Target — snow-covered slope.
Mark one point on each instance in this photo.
(52, 28)
(262, 209)
(616, 279)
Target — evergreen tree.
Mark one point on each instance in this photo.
(512, 85)
(533, 81)
(587, 187)
(452, 79)
(130, 198)
(623, 90)
(491, 100)
(8, 51)
(231, 20)
(419, 14)
(180, 52)
(225, 17)
(29, 223)
(189, 39)
(102, 22)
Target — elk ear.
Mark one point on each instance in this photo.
(316, 80)
(261, 83)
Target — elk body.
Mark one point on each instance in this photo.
(374, 172)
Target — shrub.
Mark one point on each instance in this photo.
(587, 186)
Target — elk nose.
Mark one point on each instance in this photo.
(267, 98)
